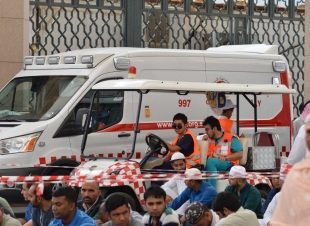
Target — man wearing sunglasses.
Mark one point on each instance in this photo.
(185, 142)
(224, 149)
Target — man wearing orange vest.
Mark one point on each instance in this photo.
(228, 125)
(185, 142)
(224, 148)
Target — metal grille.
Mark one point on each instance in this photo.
(63, 25)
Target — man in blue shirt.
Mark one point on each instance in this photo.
(197, 190)
(65, 211)
(28, 213)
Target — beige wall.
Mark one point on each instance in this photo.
(14, 37)
(307, 53)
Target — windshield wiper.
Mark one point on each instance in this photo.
(11, 120)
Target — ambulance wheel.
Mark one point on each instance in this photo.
(156, 144)
(59, 172)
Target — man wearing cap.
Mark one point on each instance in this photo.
(197, 190)
(231, 213)
(248, 195)
(228, 125)
(178, 163)
(197, 214)
(224, 149)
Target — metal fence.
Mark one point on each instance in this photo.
(63, 25)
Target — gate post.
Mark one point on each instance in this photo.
(307, 54)
(133, 22)
(14, 37)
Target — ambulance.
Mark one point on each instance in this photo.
(43, 107)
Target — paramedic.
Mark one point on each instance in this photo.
(228, 125)
(185, 142)
(224, 149)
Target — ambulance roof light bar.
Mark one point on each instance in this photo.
(53, 60)
(279, 66)
(28, 60)
(88, 59)
(121, 63)
(40, 60)
(70, 60)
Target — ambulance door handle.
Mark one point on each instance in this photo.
(124, 135)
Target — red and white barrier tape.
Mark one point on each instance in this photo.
(128, 178)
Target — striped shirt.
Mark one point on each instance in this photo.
(168, 218)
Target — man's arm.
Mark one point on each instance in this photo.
(208, 196)
(179, 201)
(170, 184)
(173, 148)
(235, 156)
(234, 128)
(271, 208)
(270, 196)
(298, 151)
(253, 200)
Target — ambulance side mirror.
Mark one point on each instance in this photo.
(80, 118)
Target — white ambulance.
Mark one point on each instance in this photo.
(42, 107)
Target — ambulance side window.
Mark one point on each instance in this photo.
(107, 111)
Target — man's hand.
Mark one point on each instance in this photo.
(222, 159)
(168, 200)
(205, 137)
(183, 219)
(99, 222)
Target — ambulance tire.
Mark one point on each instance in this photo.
(130, 200)
(59, 172)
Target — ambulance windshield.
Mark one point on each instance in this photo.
(37, 98)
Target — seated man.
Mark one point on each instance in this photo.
(40, 196)
(118, 210)
(7, 219)
(248, 196)
(197, 190)
(197, 214)
(231, 213)
(178, 163)
(157, 212)
(103, 216)
(91, 198)
(224, 149)
(270, 210)
(185, 142)
(28, 214)
(228, 125)
(277, 185)
(65, 209)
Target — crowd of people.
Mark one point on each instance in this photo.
(185, 201)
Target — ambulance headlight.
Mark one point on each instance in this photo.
(19, 144)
